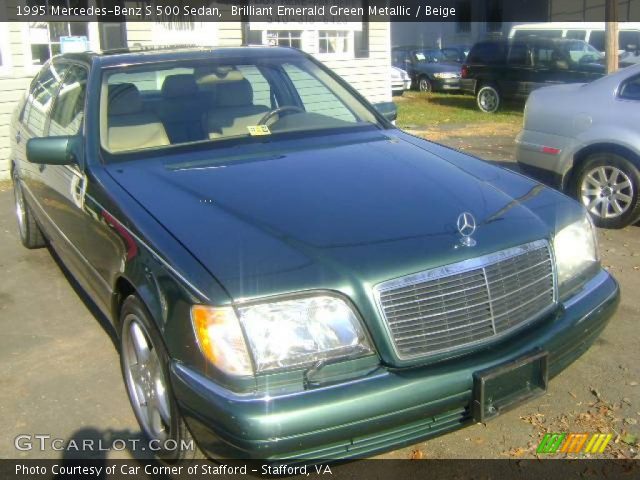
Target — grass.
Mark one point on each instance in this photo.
(418, 111)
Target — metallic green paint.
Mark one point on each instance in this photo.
(336, 211)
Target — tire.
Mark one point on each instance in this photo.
(145, 368)
(488, 99)
(30, 234)
(425, 85)
(608, 185)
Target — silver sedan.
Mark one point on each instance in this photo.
(585, 139)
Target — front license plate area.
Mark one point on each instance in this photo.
(501, 388)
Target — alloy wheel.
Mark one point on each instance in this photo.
(488, 100)
(606, 192)
(145, 380)
(424, 85)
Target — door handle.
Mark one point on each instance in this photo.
(18, 137)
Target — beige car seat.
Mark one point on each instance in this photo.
(129, 127)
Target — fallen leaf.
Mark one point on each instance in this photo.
(416, 455)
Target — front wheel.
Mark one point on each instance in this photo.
(145, 367)
(488, 99)
(424, 85)
(607, 184)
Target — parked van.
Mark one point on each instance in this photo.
(590, 32)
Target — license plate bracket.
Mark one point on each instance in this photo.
(500, 388)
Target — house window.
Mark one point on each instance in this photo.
(333, 41)
(44, 37)
(285, 38)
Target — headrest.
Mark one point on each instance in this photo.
(181, 85)
(124, 99)
(234, 94)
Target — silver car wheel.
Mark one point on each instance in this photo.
(425, 85)
(488, 99)
(606, 192)
(21, 212)
(145, 380)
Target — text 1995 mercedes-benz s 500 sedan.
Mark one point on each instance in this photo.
(290, 275)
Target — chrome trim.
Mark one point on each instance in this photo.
(477, 263)
(254, 397)
(459, 267)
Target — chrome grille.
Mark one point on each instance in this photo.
(468, 302)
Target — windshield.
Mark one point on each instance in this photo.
(160, 105)
(429, 56)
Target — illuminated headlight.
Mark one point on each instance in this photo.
(445, 75)
(576, 249)
(290, 333)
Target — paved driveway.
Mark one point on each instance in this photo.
(60, 376)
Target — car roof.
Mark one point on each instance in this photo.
(137, 55)
(509, 41)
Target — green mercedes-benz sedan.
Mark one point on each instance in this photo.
(291, 276)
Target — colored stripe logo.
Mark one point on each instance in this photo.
(574, 443)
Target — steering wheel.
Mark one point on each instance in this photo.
(278, 111)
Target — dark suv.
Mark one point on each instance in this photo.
(497, 70)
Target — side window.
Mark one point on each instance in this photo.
(518, 54)
(68, 109)
(576, 34)
(489, 53)
(596, 39)
(40, 100)
(629, 40)
(544, 55)
(316, 97)
(630, 90)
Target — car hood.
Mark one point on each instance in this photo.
(341, 212)
(438, 67)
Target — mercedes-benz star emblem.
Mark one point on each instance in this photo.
(466, 226)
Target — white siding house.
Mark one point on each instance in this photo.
(25, 46)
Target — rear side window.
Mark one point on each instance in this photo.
(40, 99)
(576, 34)
(629, 40)
(68, 109)
(488, 53)
(630, 90)
(544, 54)
(596, 40)
(518, 54)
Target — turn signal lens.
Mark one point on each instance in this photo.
(220, 339)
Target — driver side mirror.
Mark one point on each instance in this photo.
(387, 109)
(53, 150)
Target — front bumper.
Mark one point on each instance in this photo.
(387, 409)
(446, 84)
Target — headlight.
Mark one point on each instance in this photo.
(444, 75)
(285, 334)
(576, 249)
